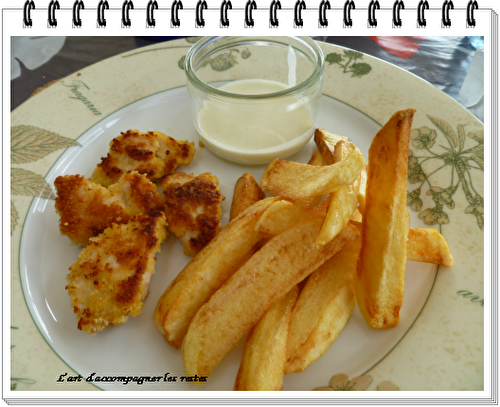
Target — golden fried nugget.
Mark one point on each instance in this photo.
(150, 153)
(193, 206)
(87, 208)
(109, 281)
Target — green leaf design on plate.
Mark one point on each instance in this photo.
(221, 62)
(455, 160)
(29, 143)
(14, 216)
(348, 62)
(446, 129)
(333, 58)
(14, 381)
(27, 183)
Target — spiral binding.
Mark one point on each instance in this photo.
(471, 6)
(348, 6)
(250, 7)
(174, 18)
(422, 6)
(103, 5)
(200, 6)
(323, 6)
(273, 13)
(77, 6)
(445, 19)
(53, 6)
(150, 20)
(224, 7)
(126, 7)
(396, 13)
(374, 5)
(297, 13)
(28, 6)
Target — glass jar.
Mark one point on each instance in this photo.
(254, 99)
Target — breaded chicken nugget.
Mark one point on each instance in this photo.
(109, 281)
(193, 206)
(151, 153)
(86, 208)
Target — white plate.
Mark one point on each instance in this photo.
(431, 334)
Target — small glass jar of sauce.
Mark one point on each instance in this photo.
(254, 98)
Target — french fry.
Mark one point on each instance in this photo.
(423, 245)
(246, 192)
(262, 364)
(326, 141)
(282, 215)
(311, 202)
(361, 189)
(203, 275)
(324, 306)
(270, 273)
(382, 261)
(296, 180)
(428, 246)
(343, 202)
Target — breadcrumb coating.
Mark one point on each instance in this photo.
(87, 208)
(193, 206)
(151, 153)
(110, 279)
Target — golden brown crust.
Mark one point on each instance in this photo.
(110, 279)
(150, 153)
(86, 208)
(193, 206)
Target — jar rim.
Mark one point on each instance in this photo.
(213, 91)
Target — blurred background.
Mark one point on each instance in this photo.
(454, 65)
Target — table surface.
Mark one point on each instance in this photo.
(442, 61)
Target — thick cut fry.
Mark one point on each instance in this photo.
(203, 275)
(311, 202)
(263, 361)
(428, 246)
(326, 141)
(282, 215)
(296, 181)
(382, 261)
(238, 305)
(323, 308)
(246, 192)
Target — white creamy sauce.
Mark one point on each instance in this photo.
(256, 126)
